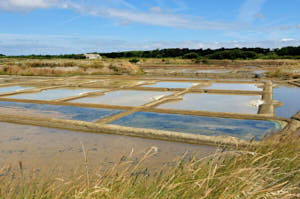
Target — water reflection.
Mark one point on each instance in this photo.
(216, 102)
(53, 94)
(290, 97)
(212, 126)
(39, 147)
(171, 85)
(124, 98)
(235, 86)
(13, 89)
(55, 111)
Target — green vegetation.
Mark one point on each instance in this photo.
(222, 53)
(70, 56)
(134, 60)
(234, 54)
(192, 55)
(268, 171)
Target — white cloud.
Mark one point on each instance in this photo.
(155, 9)
(25, 5)
(260, 16)
(18, 44)
(125, 13)
(155, 16)
(148, 17)
(287, 39)
(250, 9)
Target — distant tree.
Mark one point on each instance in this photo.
(233, 54)
(1, 55)
(192, 55)
(293, 51)
(134, 60)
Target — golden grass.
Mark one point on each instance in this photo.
(269, 171)
(65, 67)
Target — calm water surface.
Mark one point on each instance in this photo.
(171, 85)
(45, 148)
(124, 98)
(53, 94)
(56, 111)
(13, 89)
(212, 126)
(216, 103)
(235, 86)
(290, 97)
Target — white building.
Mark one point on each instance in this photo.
(92, 56)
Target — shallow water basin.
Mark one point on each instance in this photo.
(213, 71)
(42, 148)
(171, 85)
(211, 126)
(251, 67)
(55, 111)
(290, 97)
(13, 89)
(236, 86)
(124, 98)
(206, 71)
(217, 103)
(259, 71)
(54, 94)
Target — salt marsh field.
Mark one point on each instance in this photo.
(52, 118)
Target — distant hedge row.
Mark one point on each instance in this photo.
(222, 53)
(185, 53)
(70, 56)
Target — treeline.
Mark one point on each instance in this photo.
(185, 53)
(222, 53)
(69, 56)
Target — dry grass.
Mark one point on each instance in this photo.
(269, 171)
(219, 63)
(283, 73)
(66, 67)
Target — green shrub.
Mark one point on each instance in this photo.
(134, 60)
(190, 56)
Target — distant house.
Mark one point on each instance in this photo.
(92, 56)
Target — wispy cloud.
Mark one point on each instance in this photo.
(126, 13)
(19, 44)
(154, 17)
(25, 5)
(250, 10)
(274, 33)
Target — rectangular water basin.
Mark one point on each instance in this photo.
(56, 111)
(48, 148)
(54, 94)
(290, 97)
(217, 103)
(13, 89)
(124, 98)
(211, 126)
(171, 85)
(259, 71)
(206, 71)
(236, 86)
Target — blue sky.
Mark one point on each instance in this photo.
(78, 26)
